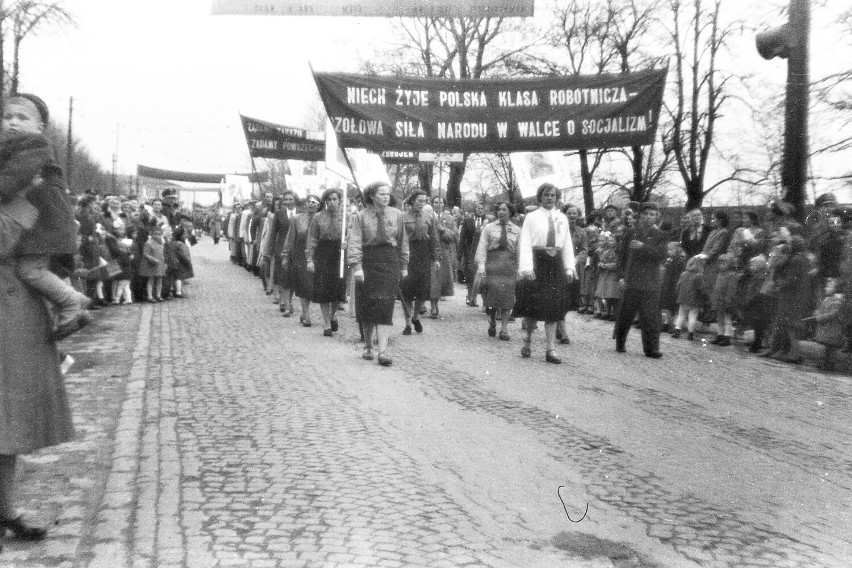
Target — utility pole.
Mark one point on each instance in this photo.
(791, 41)
(69, 152)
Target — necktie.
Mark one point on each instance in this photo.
(551, 231)
(503, 243)
(381, 233)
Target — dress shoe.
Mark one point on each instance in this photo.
(21, 530)
(620, 349)
(504, 336)
(83, 319)
(327, 332)
(367, 355)
(526, 351)
(406, 330)
(384, 360)
(724, 341)
(676, 334)
(551, 358)
(334, 326)
(690, 336)
(564, 340)
(653, 354)
(418, 327)
(492, 330)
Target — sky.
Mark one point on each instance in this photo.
(161, 83)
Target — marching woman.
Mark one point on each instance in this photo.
(497, 261)
(323, 258)
(295, 261)
(545, 267)
(443, 279)
(378, 255)
(424, 257)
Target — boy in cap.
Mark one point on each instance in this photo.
(37, 218)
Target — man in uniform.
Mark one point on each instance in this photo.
(642, 252)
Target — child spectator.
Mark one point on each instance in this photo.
(674, 265)
(121, 250)
(180, 260)
(724, 297)
(153, 265)
(829, 330)
(27, 169)
(756, 306)
(690, 297)
(607, 293)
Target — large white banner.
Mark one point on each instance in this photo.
(535, 168)
(366, 166)
(236, 188)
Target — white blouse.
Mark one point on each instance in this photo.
(534, 234)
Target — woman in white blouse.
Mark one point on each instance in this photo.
(545, 268)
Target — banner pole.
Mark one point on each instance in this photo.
(254, 171)
(345, 201)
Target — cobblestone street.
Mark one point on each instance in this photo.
(213, 432)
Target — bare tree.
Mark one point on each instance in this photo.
(698, 35)
(504, 175)
(27, 18)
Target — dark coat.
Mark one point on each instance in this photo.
(179, 260)
(640, 268)
(22, 157)
(793, 284)
(690, 290)
(671, 274)
(469, 238)
(725, 290)
(693, 246)
(755, 307)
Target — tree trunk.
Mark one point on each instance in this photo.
(637, 192)
(2, 60)
(425, 172)
(13, 88)
(694, 194)
(454, 183)
(586, 177)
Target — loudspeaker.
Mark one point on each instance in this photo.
(773, 43)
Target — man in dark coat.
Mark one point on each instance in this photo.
(468, 242)
(642, 252)
(693, 237)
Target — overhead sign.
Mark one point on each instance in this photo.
(159, 173)
(270, 140)
(376, 8)
(493, 115)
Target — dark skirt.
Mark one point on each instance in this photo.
(545, 298)
(376, 296)
(328, 286)
(417, 285)
(302, 280)
(501, 269)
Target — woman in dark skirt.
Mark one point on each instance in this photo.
(378, 256)
(296, 262)
(323, 256)
(497, 262)
(545, 267)
(424, 254)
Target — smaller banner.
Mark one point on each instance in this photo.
(535, 168)
(377, 8)
(279, 142)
